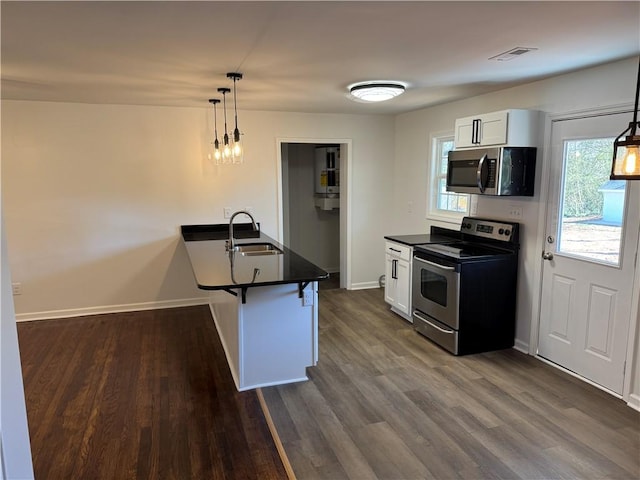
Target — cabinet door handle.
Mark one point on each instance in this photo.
(394, 249)
(476, 132)
(394, 269)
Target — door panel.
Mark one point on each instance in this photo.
(592, 234)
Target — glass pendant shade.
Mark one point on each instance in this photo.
(237, 152)
(237, 149)
(231, 150)
(626, 159)
(217, 154)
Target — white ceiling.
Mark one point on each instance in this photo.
(299, 56)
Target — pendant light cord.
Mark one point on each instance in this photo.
(235, 104)
(635, 108)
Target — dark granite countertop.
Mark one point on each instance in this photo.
(437, 235)
(216, 269)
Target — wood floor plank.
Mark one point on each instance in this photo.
(140, 395)
(415, 411)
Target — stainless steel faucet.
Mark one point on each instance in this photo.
(231, 245)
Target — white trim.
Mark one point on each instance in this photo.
(433, 212)
(130, 307)
(346, 168)
(632, 399)
(631, 374)
(634, 402)
(521, 346)
(227, 352)
(364, 285)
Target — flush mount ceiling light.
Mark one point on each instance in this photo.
(376, 91)
(626, 151)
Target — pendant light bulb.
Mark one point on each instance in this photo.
(217, 154)
(236, 149)
(630, 161)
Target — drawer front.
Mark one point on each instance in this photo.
(439, 333)
(398, 250)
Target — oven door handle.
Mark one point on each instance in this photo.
(443, 330)
(437, 265)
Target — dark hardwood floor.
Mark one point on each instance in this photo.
(144, 395)
(148, 395)
(385, 403)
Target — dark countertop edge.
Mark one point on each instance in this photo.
(220, 232)
(409, 240)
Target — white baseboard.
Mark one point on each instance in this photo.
(364, 285)
(131, 307)
(521, 346)
(634, 401)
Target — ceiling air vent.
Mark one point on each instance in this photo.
(511, 54)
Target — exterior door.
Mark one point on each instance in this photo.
(592, 230)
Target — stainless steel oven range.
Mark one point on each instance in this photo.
(464, 293)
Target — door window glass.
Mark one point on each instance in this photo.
(592, 206)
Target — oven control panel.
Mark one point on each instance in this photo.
(492, 229)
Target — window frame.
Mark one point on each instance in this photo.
(437, 141)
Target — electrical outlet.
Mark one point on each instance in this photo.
(515, 211)
(307, 297)
(16, 288)
(248, 209)
(227, 212)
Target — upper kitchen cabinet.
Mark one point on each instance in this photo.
(515, 128)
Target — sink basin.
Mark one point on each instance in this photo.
(254, 249)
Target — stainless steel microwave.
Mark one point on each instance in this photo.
(492, 171)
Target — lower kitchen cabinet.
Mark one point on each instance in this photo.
(397, 288)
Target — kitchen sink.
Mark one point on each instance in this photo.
(254, 249)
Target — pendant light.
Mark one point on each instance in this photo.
(217, 154)
(237, 151)
(626, 152)
(226, 148)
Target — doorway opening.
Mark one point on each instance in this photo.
(313, 204)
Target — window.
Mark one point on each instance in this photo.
(442, 203)
(592, 206)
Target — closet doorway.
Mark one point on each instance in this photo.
(313, 204)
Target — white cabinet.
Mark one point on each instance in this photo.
(272, 338)
(397, 288)
(515, 128)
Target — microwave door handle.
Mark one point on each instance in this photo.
(479, 173)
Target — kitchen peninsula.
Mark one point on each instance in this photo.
(264, 301)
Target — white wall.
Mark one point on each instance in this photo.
(94, 196)
(15, 448)
(604, 86)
